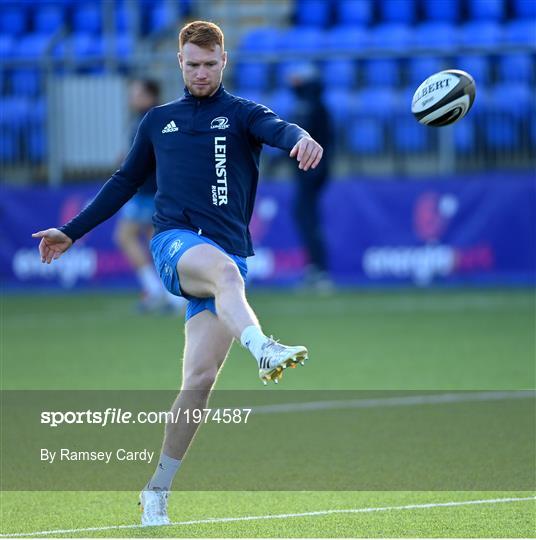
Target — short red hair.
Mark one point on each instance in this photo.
(201, 33)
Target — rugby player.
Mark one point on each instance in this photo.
(205, 148)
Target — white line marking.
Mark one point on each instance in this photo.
(283, 516)
(395, 401)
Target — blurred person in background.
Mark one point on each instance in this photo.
(311, 113)
(205, 148)
(134, 227)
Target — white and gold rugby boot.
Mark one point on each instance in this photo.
(275, 358)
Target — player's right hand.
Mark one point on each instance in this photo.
(53, 244)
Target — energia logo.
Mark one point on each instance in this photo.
(221, 122)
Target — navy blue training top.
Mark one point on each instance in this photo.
(206, 154)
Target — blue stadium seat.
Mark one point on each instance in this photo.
(123, 47)
(87, 18)
(480, 34)
(435, 36)
(80, 46)
(377, 102)
(486, 9)
(161, 17)
(261, 39)
(186, 7)
(421, 68)
(382, 72)
(525, 8)
(503, 118)
(341, 104)
(516, 67)
(366, 136)
(465, 135)
(354, 12)
(390, 109)
(391, 36)
(346, 38)
(36, 143)
(253, 75)
(442, 10)
(25, 81)
(313, 12)
(519, 98)
(520, 32)
(302, 39)
(281, 102)
(409, 135)
(31, 46)
(121, 18)
(339, 72)
(13, 21)
(477, 66)
(405, 96)
(39, 109)
(502, 131)
(480, 106)
(48, 19)
(7, 45)
(283, 71)
(16, 111)
(9, 144)
(400, 11)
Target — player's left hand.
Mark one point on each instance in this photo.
(308, 153)
(53, 244)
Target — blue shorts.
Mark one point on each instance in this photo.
(168, 247)
(139, 209)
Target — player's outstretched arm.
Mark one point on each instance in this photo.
(266, 127)
(308, 153)
(122, 185)
(53, 244)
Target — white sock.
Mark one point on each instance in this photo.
(253, 339)
(165, 472)
(149, 280)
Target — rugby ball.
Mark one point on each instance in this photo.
(443, 98)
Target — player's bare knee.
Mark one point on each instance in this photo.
(228, 277)
(200, 382)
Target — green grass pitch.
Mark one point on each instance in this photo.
(374, 340)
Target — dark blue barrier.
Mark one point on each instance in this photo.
(476, 230)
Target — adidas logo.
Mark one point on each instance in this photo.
(170, 127)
